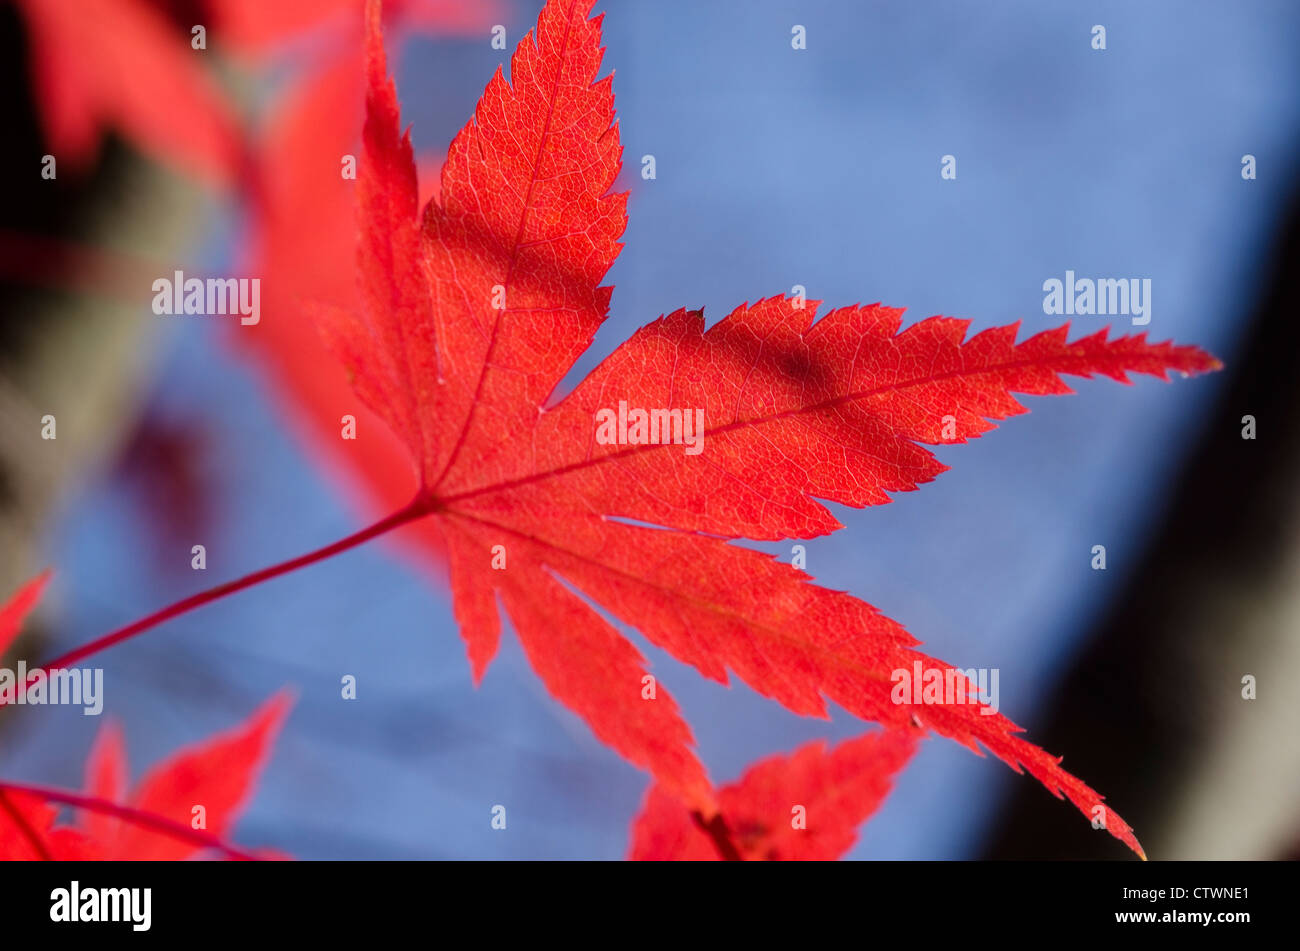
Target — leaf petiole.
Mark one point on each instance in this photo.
(417, 508)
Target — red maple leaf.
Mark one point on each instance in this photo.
(182, 806)
(14, 612)
(803, 807)
(471, 312)
(121, 64)
(202, 787)
(28, 832)
(217, 775)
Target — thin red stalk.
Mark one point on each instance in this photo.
(33, 837)
(137, 816)
(414, 510)
(716, 829)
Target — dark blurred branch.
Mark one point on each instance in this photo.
(1153, 714)
(716, 829)
(76, 333)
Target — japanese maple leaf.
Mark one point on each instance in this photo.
(25, 820)
(803, 807)
(216, 776)
(121, 64)
(20, 604)
(471, 312)
(28, 832)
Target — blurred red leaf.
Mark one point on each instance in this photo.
(122, 65)
(803, 807)
(217, 775)
(14, 612)
(204, 786)
(28, 833)
(303, 244)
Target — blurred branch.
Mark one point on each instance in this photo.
(1153, 714)
(85, 366)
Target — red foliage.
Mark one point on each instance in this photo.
(14, 612)
(473, 309)
(216, 776)
(803, 807)
(465, 312)
(160, 818)
(138, 76)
